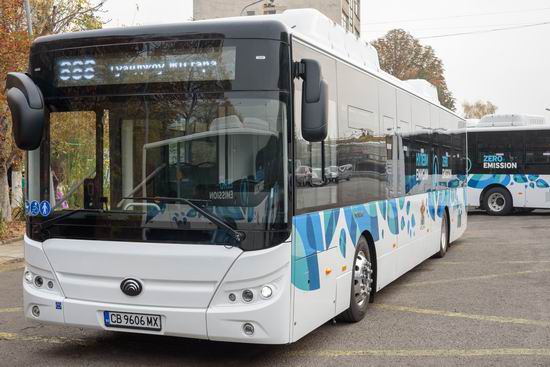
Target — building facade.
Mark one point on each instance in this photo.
(344, 12)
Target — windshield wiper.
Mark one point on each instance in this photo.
(50, 222)
(237, 235)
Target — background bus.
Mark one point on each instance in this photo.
(194, 162)
(510, 164)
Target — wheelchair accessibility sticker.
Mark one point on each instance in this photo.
(35, 208)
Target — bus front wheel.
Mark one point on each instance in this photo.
(361, 283)
(444, 239)
(498, 201)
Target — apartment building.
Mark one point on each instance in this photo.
(345, 12)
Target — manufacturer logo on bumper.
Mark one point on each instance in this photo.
(131, 287)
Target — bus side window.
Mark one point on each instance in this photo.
(313, 161)
(537, 152)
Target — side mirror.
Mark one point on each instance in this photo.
(27, 110)
(314, 102)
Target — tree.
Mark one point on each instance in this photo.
(58, 16)
(405, 57)
(14, 43)
(478, 109)
(48, 16)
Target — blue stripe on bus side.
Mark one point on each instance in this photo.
(308, 239)
(481, 181)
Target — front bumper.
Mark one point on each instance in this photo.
(222, 320)
(190, 323)
(217, 323)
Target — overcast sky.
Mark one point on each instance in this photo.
(509, 68)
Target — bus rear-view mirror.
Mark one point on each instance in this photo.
(27, 110)
(314, 102)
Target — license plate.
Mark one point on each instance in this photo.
(132, 320)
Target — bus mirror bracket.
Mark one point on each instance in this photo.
(27, 110)
(314, 100)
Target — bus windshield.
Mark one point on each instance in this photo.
(134, 156)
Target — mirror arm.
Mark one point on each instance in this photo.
(299, 70)
(323, 163)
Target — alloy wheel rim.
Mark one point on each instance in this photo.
(362, 279)
(496, 202)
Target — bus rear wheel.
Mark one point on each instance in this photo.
(361, 283)
(498, 201)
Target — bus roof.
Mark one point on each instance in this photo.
(249, 27)
(315, 28)
(509, 122)
(507, 128)
(309, 25)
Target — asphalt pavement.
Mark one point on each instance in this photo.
(486, 303)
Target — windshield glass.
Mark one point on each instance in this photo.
(110, 156)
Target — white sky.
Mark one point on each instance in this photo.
(510, 68)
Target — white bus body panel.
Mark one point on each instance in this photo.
(527, 191)
(324, 248)
(270, 317)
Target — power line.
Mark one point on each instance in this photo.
(470, 27)
(458, 16)
(485, 31)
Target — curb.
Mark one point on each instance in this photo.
(11, 240)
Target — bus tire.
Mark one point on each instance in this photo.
(444, 238)
(361, 283)
(498, 201)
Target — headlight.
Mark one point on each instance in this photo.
(35, 311)
(28, 276)
(248, 295)
(248, 329)
(38, 281)
(266, 291)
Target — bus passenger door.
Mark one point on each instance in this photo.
(386, 247)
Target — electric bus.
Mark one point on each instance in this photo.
(509, 164)
(168, 189)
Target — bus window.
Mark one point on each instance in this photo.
(314, 174)
(499, 152)
(537, 152)
(537, 148)
(74, 183)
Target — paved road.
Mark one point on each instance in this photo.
(486, 303)
(11, 251)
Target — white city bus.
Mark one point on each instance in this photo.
(170, 161)
(509, 164)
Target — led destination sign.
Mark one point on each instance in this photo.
(85, 71)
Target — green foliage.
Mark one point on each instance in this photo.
(48, 16)
(18, 212)
(405, 57)
(3, 225)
